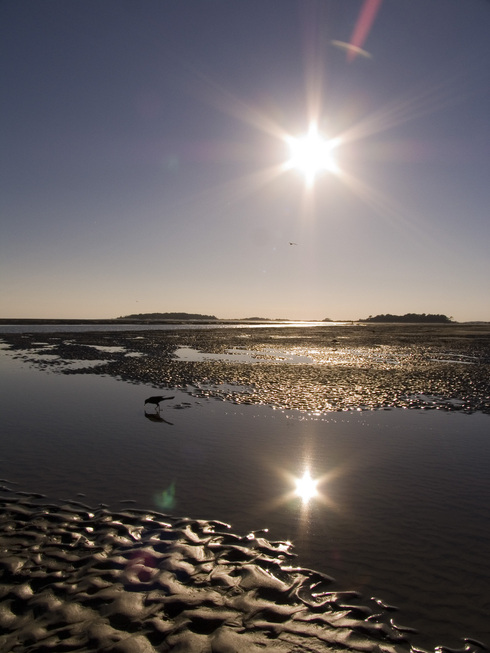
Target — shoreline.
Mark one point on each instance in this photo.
(265, 321)
(348, 368)
(344, 355)
(137, 580)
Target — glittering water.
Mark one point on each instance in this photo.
(78, 328)
(242, 355)
(403, 500)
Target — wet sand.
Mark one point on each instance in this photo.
(352, 367)
(74, 578)
(137, 580)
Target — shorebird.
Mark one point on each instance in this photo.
(156, 401)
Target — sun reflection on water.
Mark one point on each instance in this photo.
(306, 487)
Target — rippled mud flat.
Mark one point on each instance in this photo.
(77, 578)
(311, 369)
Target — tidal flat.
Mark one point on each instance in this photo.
(306, 368)
(129, 549)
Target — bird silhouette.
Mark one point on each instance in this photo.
(156, 401)
(293, 243)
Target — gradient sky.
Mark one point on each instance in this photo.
(142, 151)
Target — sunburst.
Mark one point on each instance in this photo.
(312, 154)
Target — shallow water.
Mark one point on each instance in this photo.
(404, 500)
(78, 328)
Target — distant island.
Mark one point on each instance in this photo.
(182, 318)
(198, 317)
(410, 317)
(167, 316)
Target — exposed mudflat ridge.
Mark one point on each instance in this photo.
(411, 366)
(77, 579)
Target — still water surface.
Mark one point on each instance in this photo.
(65, 328)
(404, 495)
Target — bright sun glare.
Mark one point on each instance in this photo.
(306, 487)
(312, 154)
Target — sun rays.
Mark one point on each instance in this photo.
(306, 487)
(311, 154)
(323, 156)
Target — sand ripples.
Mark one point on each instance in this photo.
(74, 578)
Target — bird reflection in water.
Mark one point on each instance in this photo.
(155, 416)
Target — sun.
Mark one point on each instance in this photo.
(312, 154)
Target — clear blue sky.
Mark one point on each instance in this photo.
(142, 144)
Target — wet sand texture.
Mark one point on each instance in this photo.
(443, 366)
(77, 579)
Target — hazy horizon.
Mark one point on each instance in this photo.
(334, 320)
(252, 316)
(145, 150)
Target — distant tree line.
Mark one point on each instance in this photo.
(167, 316)
(410, 317)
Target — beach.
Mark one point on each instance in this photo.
(364, 403)
(138, 581)
(346, 367)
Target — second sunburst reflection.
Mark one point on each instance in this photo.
(306, 487)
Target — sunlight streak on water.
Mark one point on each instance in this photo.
(238, 355)
(306, 487)
(77, 328)
(403, 495)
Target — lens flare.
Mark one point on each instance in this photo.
(349, 48)
(363, 26)
(165, 500)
